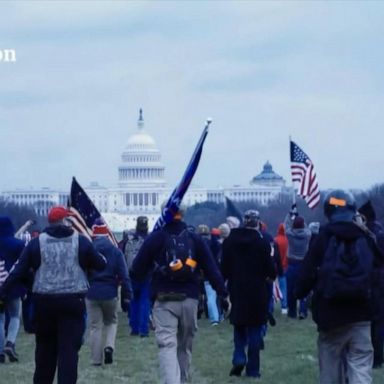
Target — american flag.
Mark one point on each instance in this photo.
(84, 212)
(174, 201)
(3, 272)
(303, 173)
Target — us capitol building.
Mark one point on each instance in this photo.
(142, 188)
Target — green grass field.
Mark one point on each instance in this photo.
(289, 357)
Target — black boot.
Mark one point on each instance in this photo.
(236, 370)
(108, 355)
(10, 351)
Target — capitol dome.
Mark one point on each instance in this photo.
(268, 177)
(141, 159)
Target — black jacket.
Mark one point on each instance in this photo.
(152, 257)
(246, 265)
(327, 314)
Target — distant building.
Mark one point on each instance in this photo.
(141, 187)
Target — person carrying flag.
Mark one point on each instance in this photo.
(176, 255)
(60, 258)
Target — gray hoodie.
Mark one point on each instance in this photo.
(298, 240)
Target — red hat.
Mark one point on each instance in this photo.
(215, 231)
(99, 228)
(58, 213)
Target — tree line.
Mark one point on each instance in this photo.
(213, 214)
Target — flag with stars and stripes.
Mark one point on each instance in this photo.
(304, 176)
(84, 212)
(174, 201)
(3, 272)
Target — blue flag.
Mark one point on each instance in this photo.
(84, 212)
(173, 203)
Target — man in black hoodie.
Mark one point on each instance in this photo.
(60, 258)
(341, 306)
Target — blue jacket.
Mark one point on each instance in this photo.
(30, 258)
(152, 256)
(10, 251)
(104, 284)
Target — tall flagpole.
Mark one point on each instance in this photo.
(294, 207)
(290, 160)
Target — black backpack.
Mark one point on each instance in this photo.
(346, 271)
(180, 256)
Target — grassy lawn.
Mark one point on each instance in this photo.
(289, 357)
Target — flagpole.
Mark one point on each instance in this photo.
(173, 203)
(293, 187)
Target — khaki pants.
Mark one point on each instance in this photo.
(175, 327)
(346, 352)
(102, 318)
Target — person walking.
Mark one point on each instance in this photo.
(101, 299)
(59, 258)
(176, 256)
(247, 266)
(10, 251)
(140, 306)
(339, 269)
(377, 326)
(210, 294)
(282, 243)
(298, 236)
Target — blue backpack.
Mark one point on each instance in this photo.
(346, 271)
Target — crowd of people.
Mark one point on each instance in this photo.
(166, 279)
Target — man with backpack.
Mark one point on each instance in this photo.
(175, 255)
(339, 269)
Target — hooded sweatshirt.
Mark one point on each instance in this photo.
(298, 241)
(282, 243)
(10, 251)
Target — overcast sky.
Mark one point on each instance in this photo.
(261, 70)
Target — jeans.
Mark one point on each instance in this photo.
(283, 289)
(251, 336)
(213, 312)
(140, 308)
(13, 308)
(292, 274)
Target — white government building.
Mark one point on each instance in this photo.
(141, 187)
